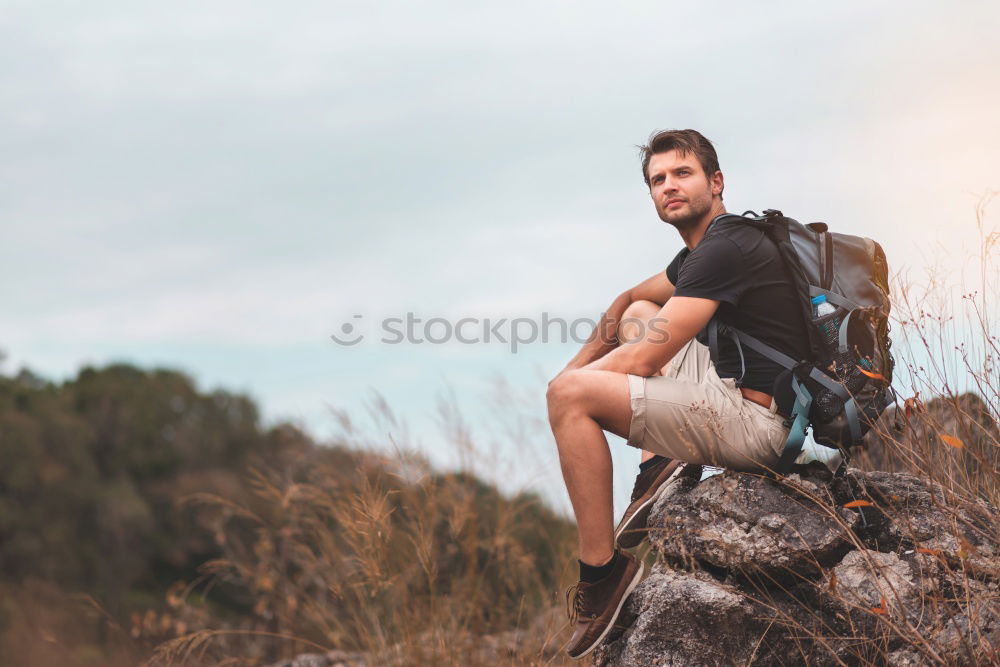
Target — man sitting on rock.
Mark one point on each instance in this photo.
(644, 376)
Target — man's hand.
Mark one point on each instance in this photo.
(677, 323)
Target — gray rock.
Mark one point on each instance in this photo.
(751, 570)
(748, 522)
(907, 658)
(869, 579)
(918, 516)
(686, 619)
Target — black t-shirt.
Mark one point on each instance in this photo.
(738, 266)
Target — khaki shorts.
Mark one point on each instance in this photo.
(692, 414)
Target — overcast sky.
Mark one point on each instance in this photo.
(218, 187)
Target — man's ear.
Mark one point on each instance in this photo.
(718, 183)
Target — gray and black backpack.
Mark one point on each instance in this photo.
(845, 384)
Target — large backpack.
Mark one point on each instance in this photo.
(845, 384)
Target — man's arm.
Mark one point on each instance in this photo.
(677, 322)
(657, 289)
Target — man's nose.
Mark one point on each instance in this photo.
(668, 187)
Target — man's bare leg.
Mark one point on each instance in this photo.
(582, 405)
(635, 321)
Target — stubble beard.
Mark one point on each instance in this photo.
(691, 219)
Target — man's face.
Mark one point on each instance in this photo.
(681, 191)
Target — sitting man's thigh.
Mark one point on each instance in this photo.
(705, 422)
(601, 395)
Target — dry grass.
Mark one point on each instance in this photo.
(386, 560)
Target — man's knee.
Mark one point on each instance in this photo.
(635, 319)
(563, 394)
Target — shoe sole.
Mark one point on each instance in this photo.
(611, 623)
(649, 502)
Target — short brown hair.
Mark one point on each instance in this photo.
(684, 142)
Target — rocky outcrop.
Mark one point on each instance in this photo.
(864, 568)
(918, 426)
